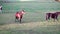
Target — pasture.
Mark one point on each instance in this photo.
(32, 23)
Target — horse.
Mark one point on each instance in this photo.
(52, 15)
(19, 15)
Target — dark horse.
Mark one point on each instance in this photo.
(52, 15)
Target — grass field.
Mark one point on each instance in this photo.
(32, 23)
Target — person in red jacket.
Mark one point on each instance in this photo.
(17, 16)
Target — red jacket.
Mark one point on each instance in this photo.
(17, 15)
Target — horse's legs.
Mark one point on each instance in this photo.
(47, 17)
(56, 18)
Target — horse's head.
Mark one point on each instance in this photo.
(58, 13)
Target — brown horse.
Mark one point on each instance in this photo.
(52, 15)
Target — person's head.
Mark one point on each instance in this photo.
(23, 10)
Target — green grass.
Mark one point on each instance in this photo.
(32, 23)
(28, 17)
(36, 30)
(30, 6)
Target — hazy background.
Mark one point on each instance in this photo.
(34, 5)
